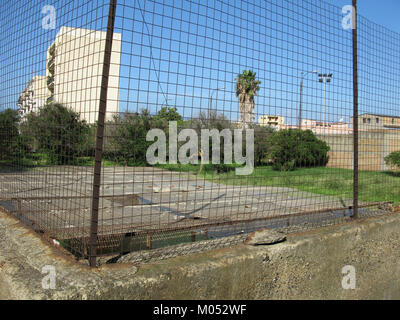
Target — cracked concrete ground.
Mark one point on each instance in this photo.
(135, 199)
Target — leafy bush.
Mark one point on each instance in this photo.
(127, 138)
(393, 159)
(294, 148)
(212, 120)
(13, 145)
(262, 135)
(59, 133)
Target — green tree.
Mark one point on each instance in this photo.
(127, 138)
(168, 114)
(261, 144)
(294, 148)
(247, 88)
(13, 145)
(59, 133)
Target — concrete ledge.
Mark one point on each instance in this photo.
(306, 266)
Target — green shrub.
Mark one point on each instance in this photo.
(220, 168)
(261, 144)
(59, 133)
(127, 138)
(393, 159)
(294, 148)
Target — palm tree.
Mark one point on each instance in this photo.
(246, 89)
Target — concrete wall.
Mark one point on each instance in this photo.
(306, 266)
(374, 146)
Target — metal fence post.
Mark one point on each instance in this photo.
(93, 242)
(355, 113)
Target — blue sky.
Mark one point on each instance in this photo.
(176, 52)
(383, 12)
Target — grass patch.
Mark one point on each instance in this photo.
(37, 160)
(374, 186)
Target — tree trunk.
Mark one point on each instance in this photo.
(247, 112)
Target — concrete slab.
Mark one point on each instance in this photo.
(142, 198)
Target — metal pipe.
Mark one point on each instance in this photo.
(355, 113)
(93, 242)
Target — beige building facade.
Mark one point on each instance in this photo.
(318, 127)
(274, 121)
(34, 96)
(74, 71)
(370, 121)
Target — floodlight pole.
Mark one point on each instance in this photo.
(324, 78)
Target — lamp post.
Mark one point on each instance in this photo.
(210, 100)
(303, 75)
(325, 78)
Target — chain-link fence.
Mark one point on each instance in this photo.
(151, 128)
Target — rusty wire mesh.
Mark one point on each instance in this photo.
(186, 63)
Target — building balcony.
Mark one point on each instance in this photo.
(52, 49)
(50, 100)
(51, 65)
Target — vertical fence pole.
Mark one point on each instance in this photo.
(355, 113)
(93, 242)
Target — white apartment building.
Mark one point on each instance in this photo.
(74, 71)
(34, 96)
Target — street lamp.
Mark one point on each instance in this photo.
(210, 100)
(303, 75)
(325, 78)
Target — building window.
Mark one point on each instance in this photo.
(369, 120)
(364, 120)
(377, 120)
(392, 120)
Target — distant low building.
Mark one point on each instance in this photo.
(371, 121)
(319, 127)
(34, 96)
(274, 121)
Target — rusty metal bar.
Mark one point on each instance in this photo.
(149, 245)
(66, 197)
(125, 228)
(355, 112)
(100, 133)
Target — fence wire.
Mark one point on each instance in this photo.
(222, 118)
